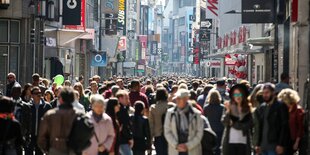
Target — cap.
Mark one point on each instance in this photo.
(182, 93)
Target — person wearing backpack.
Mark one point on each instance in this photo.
(157, 119)
(56, 125)
(183, 127)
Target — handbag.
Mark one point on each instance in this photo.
(100, 153)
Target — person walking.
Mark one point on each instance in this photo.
(284, 83)
(272, 134)
(54, 142)
(38, 108)
(126, 137)
(140, 130)
(213, 110)
(103, 137)
(10, 138)
(113, 107)
(296, 118)
(157, 119)
(238, 123)
(26, 93)
(11, 82)
(136, 95)
(183, 127)
(83, 98)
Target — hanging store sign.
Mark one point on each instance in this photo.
(258, 11)
(81, 26)
(212, 6)
(121, 21)
(99, 59)
(122, 44)
(154, 48)
(204, 35)
(71, 14)
(109, 6)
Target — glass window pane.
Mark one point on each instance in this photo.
(14, 31)
(4, 31)
(13, 56)
(3, 68)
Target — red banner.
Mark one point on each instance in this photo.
(294, 16)
(82, 26)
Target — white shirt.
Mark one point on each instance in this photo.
(236, 136)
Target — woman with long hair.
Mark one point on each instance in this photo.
(112, 109)
(26, 93)
(213, 110)
(83, 98)
(141, 130)
(296, 118)
(238, 123)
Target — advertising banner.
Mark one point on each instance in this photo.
(121, 21)
(122, 44)
(99, 59)
(71, 12)
(258, 11)
(80, 26)
(154, 48)
(204, 35)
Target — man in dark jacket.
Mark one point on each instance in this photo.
(38, 109)
(126, 137)
(22, 113)
(272, 132)
(11, 82)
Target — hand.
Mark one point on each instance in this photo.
(112, 153)
(279, 150)
(101, 148)
(182, 148)
(295, 146)
(258, 150)
(227, 106)
(131, 143)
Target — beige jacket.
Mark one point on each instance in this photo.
(156, 114)
(196, 127)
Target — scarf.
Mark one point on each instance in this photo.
(183, 120)
(97, 117)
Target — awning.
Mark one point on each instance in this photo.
(244, 50)
(65, 36)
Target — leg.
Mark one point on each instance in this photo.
(159, 146)
(125, 149)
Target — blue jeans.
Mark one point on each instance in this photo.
(124, 149)
(269, 153)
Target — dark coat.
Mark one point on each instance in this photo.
(124, 121)
(214, 114)
(245, 123)
(278, 132)
(36, 117)
(23, 114)
(141, 133)
(10, 135)
(9, 88)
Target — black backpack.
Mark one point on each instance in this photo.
(81, 133)
(208, 142)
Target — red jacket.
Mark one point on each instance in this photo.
(138, 96)
(296, 122)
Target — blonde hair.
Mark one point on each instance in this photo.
(214, 96)
(183, 86)
(289, 96)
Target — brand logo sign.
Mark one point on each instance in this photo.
(258, 11)
(110, 6)
(121, 22)
(99, 59)
(71, 12)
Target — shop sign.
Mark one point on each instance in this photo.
(213, 63)
(73, 11)
(122, 44)
(121, 22)
(99, 59)
(258, 11)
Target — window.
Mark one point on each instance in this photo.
(15, 35)
(13, 59)
(181, 21)
(3, 66)
(4, 29)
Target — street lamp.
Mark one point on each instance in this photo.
(233, 12)
(4, 4)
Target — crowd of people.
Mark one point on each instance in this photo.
(169, 114)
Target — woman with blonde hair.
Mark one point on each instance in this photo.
(213, 110)
(296, 118)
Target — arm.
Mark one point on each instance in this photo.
(43, 137)
(111, 135)
(226, 119)
(192, 143)
(168, 131)
(245, 124)
(151, 122)
(300, 124)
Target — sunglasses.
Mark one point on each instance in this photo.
(10, 77)
(37, 94)
(237, 95)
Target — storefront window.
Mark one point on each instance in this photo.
(3, 66)
(13, 65)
